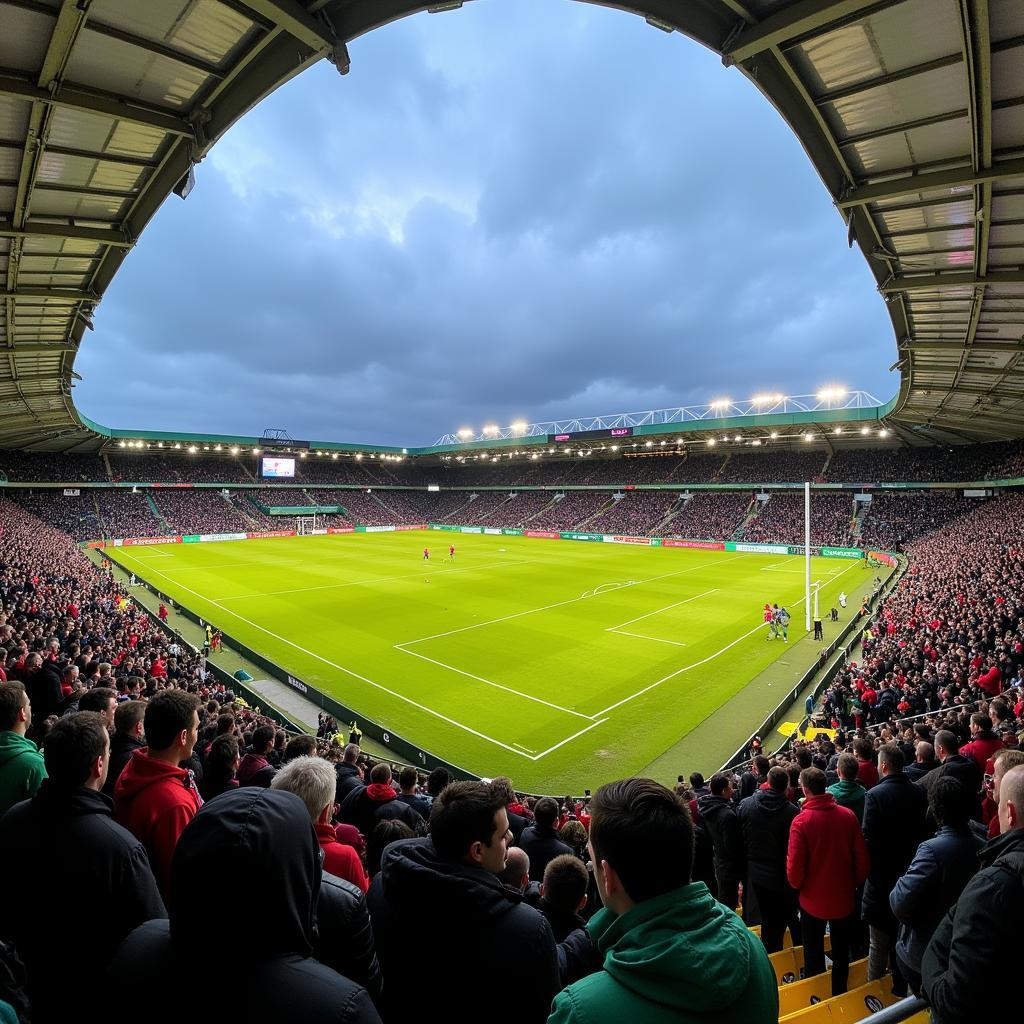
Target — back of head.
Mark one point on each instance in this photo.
(778, 780)
(311, 779)
(262, 841)
(299, 746)
(983, 722)
(762, 765)
(437, 780)
(502, 787)
(545, 812)
(97, 699)
(890, 757)
(813, 781)
(946, 742)
(463, 814)
(517, 867)
(167, 714)
(384, 833)
(351, 753)
(951, 803)
(380, 775)
(12, 700)
(221, 758)
(1011, 800)
(128, 715)
(72, 746)
(719, 783)
(565, 883)
(263, 738)
(925, 752)
(696, 780)
(644, 831)
(407, 778)
(863, 748)
(804, 757)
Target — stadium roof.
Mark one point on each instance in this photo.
(912, 111)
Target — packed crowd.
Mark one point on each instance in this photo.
(517, 511)
(781, 519)
(636, 513)
(199, 511)
(708, 515)
(170, 467)
(773, 467)
(891, 521)
(123, 759)
(571, 512)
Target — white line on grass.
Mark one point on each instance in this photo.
(641, 636)
(568, 739)
(675, 604)
(696, 664)
(347, 671)
(380, 579)
(560, 604)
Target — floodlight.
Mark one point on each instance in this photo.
(492, 429)
(192, 449)
(738, 437)
(838, 430)
(721, 403)
(120, 444)
(255, 451)
(883, 433)
(217, 448)
(615, 447)
(808, 437)
(519, 427)
(756, 442)
(534, 455)
(774, 434)
(234, 450)
(302, 455)
(650, 444)
(177, 444)
(466, 433)
(334, 455)
(865, 430)
(711, 442)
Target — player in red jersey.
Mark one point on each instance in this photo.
(426, 554)
(451, 552)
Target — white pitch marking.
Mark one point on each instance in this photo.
(641, 636)
(568, 739)
(676, 604)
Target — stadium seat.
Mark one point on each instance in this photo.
(789, 963)
(811, 991)
(848, 1008)
(787, 939)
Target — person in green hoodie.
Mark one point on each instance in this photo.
(848, 791)
(672, 954)
(21, 765)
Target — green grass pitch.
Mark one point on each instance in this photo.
(561, 664)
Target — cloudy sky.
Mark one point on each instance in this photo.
(530, 209)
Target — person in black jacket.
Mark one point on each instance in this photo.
(443, 892)
(262, 840)
(364, 807)
(720, 819)
(79, 881)
(977, 945)
(128, 735)
(765, 819)
(894, 826)
(517, 822)
(954, 764)
(350, 775)
(43, 684)
(936, 877)
(540, 840)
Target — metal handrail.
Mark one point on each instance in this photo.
(903, 1010)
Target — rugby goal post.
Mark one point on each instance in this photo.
(305, 525)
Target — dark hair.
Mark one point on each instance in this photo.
(263, 738)
(384, 833)
(644, 831)
(778, 779)
(167, 714)
(848, 767)
(863, 749)
(804, 758)
(225, 723)
(221, 758)
(951, 803)
(565, 883)
(407, 778)
(762, 765)
(72, 746)
(12, 700)
(299, 746)
(128, 715)
(437, 780)
(545, 812)
(502, 786)
(813, 780)
(719, 783)
(892, 757)
(96, 699)
(463, 814)
(946, 740)
(696, 780)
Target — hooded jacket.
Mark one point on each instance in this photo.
(542, 846)
(255, 770)
(82, 884)
(420, 900)
(675, 959)
(365, 806)
(977, 944)
(122, 746)
(21, 769)
(155, 800)
(849, 793)
(263, 841)
(765, 818)
(720, 819)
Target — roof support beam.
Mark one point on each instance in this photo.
(891, 79)
(100, 236)
(13, 84)
(938, 282)
(294, 19)
(38, 348)
(981, 347)
(905, 126)
(796, 19)
(912, 184)
(60, 294)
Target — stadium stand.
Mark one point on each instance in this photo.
(781, 520)
(708, 515)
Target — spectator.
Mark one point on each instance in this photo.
(894, 825)
(154, 798)
(765, 819)
(976, 945)
(221, 767)
(302, 745)
(409, 793)
(384, 833)
(516, 822)
(82, 882)
(437, 780)
(936, 876)
(102, 700)
(263, 842)
(378, 802)
(256, 769)
(22, 768)
(827, 861)
(953, 764)
(43, 684)
(718, 816)
(129, 736)
(984, 742)
(517, 871)
(924, 761)
(313, 780)
(657, 926)
(349, 773)
(563, 895)
(867, 773)
(443, 892)
(1003, 761)
(848, 791)
(540, 840)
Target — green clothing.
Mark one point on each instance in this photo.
(21, 769)
(849, 794)
(678, 958)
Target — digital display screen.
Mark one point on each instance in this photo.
(590, 435)
(274, 467)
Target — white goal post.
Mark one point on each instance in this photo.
(305, 525)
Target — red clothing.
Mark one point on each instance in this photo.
(827, 858)
(981, 748)
(992, 681)
(339, 859)
(867, 773)
(155, 800)
(158, 670)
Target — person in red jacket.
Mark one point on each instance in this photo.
(867, 771)
(826, 861)
(991, 681)
(984, 742)
(155, 798)
(314, 781)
